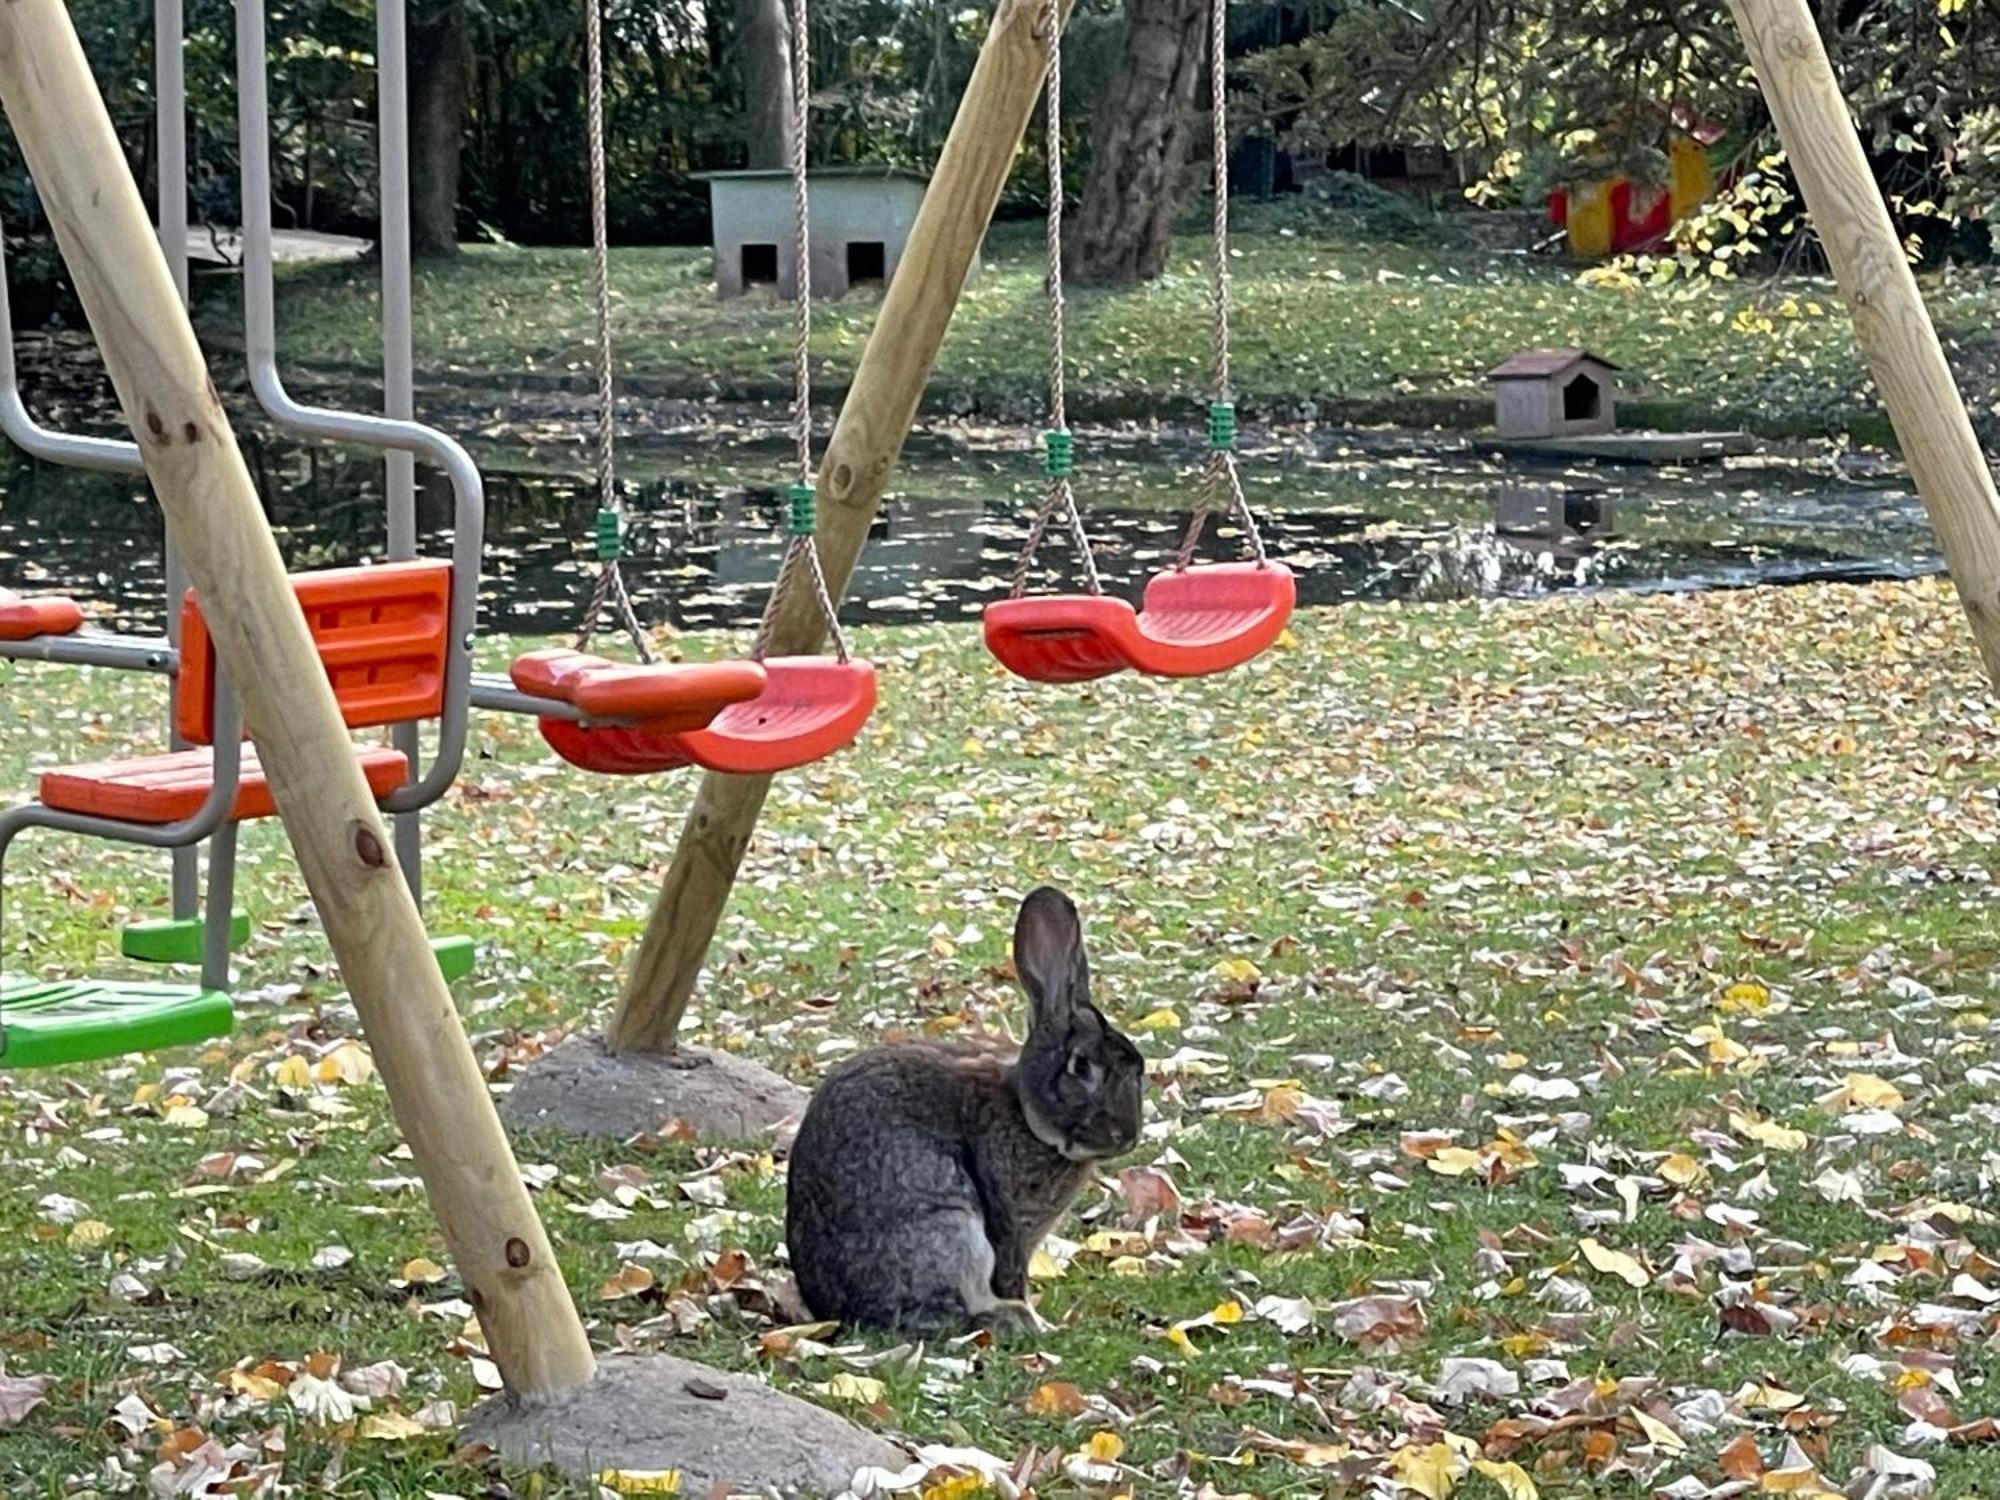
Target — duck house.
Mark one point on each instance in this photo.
(861, 218)
(1555, 393)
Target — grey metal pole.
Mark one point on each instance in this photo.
(392, 128)
(170, 126)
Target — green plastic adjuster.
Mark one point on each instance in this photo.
(1059, 453)
(804, 509)
(177, 940)
(610, 536)
(1222, 425)
(46, 1025)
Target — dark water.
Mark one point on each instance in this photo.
(1359, 517)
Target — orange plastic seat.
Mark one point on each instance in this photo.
(25, 616)
(666, 697)
(810, 707)
(166, 788)
(1194, 622)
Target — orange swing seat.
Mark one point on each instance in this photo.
(1195, 621)
(744, 717)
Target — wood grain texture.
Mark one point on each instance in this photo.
(882, 403)
(1890, 320)
(212, 512)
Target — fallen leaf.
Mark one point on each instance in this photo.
(1608, 1262)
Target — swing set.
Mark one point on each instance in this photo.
(394, 639)
(1194, 619)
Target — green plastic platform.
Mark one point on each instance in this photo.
(45, 1025)
(455, 956)
(177, 941)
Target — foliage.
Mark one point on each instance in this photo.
(1569, 1028)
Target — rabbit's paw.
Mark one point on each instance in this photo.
(1011, 1319)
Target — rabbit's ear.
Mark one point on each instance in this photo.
(1048, 956)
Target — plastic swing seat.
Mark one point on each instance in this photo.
(1194, 622)
(797, 709)
(25, 616)
(46, 1025)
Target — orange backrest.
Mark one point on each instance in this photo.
(383, 634)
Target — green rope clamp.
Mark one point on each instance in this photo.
(610, 536)
(804, 511)
(1222, 425)
(1059, 455)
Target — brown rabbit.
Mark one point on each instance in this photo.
(924, 1174)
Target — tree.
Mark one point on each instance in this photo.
(440, 88)
(1144, 129)
(764, 54)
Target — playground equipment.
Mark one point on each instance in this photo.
(751, 717)
(1193, 620)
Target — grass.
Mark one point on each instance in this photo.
(1344, 329)
(1584, 890)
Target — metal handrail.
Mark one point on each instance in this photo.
(424, 442)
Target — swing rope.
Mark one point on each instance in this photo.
(609, 590)
(1058, 443)
(1219, 476)
(802, 551)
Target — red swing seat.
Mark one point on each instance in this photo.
(1196, 621)
(25, 616)
(740, 716)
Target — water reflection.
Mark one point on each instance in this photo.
(1360, 518)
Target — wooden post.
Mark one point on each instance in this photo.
(881, 404)
(212, 513)
(1890, 320)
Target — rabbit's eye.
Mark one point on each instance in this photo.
(1084, 1069)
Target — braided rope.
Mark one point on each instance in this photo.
(1219, 476)
(1059, 498)
(803, 550)
(610, 586)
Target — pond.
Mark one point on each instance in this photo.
(1360, 516)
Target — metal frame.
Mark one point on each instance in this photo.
(394, 435)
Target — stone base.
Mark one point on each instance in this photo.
(653, 1412)
(581, 1088)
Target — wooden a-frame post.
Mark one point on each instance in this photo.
(212, 513)
(1890, 320)
(881, 404)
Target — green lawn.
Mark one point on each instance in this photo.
(1605, 987)
(1354, 331)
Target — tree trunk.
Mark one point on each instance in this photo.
(440, 87)
(765, 53)
(1141, 141)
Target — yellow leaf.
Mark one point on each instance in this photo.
(1237, 971)
(1289, 642)
(630, 1281)
(1058, 1398)
(390, 1427)
(1511, 1477)
(1870, 1092)
(864, 1390)
(1227, 1312)
(1043, 1266)
(1432, 1472)
(1609, 1262)
(186, 1117)
(1683, 1171)
(88, 1234)
(423, 1272)
(1163, 1019)
(295, 1072)
(1800, 1477)
(1453, 1161)
(1177, 1336)
(957, 1488)
(1659, 1434)
(1745, 997)
(1104, 1447)
(641, 1481)
(1769, 1133)
(349, 1063)
(255, 1387)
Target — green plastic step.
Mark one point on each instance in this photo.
(45, 1025)
(455, 956)
(173, 940)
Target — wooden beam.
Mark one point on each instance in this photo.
(881, 405)
(1890, 320)
(213, 515)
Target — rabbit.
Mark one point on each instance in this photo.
(924, 1174)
